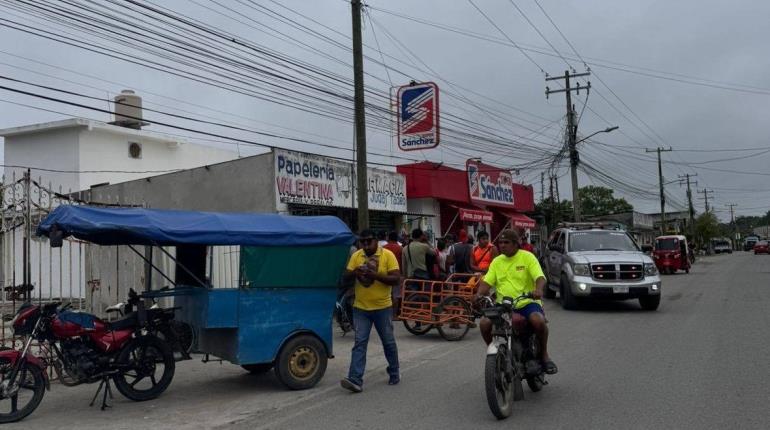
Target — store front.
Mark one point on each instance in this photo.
(481, 198)
(308, 184)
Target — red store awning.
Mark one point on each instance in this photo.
(475, 215)
(519, 220)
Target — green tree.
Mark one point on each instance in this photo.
(598, 201)
(562, 211)
(707, 228)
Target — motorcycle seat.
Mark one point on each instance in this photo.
(127, 321)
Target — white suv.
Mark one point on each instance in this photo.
(587, 261)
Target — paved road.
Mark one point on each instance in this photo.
(701, 361)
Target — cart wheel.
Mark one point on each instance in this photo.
(420, 301)
(301, 362)
(257, 369)
(455, 312)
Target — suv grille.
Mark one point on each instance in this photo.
(617, 272)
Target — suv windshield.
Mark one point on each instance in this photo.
(601, 241)
(666, 244)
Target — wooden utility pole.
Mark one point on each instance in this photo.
(553, 207)
(574, 158)
(735, 226)
(689, 202)
(542, 186)
(362, 193)
(662, 189)
(706, 193)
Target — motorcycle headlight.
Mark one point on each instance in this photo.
(650, 269)
(581, 269)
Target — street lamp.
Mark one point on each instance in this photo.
(606, 130)
(574, 160)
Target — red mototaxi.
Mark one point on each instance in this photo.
(671, 253)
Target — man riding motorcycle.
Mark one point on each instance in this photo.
(513, 273)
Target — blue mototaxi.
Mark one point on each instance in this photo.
(279, 317)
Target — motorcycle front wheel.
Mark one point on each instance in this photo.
(146, 367)
(498, 381)
(26, 392)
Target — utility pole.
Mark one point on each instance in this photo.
(706, 193)
(362, 191)
(574, 158)
(662, 190)
(732, 221)
(542, 186)
(553, 207)
(689, 202)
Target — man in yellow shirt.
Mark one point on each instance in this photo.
(513, 273)
(376, 271)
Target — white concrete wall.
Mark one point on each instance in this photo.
(431, 224)
(104, 150)
(54, 149)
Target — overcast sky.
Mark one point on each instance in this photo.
(492, 83)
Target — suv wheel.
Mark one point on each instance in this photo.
(568, 301)
(649, 303)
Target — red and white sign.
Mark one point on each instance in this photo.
(489, 185)
(471, 215)
(418, 116)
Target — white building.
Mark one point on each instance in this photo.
(87, 153)
(68, 156)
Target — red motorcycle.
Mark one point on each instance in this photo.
(85, 349)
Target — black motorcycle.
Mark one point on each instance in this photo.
(512, 356)
(343, 310)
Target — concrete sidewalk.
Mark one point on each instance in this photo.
(211, 395)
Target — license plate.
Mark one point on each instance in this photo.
(620, 290)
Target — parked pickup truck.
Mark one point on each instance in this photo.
(587, 261)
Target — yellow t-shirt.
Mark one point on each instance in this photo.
(375, 296)
(514, 276)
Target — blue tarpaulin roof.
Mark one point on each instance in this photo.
(139, 226)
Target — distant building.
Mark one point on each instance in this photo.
(641, 226)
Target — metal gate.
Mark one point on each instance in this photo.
(30, 270)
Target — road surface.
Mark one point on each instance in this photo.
(701, 361)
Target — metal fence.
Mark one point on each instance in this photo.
(29, 268)
(90, 277)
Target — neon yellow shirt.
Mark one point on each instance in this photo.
(376, 296)
(514, 276)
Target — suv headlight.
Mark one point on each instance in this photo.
(650, 269)
(581, 269)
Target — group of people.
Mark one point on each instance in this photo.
(381, 261)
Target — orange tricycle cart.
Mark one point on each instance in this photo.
(445, 305)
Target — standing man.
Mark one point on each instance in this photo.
(413, 261)
(483, 253)
(376, 271)
(513, 274)
(395, 247)
(460, 254)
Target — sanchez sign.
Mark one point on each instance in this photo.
(418, 116)
(489, 185)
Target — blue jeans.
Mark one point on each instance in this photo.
(363, 321)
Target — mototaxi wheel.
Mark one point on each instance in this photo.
(30, 381)
(498, 383)
(459, 312)
(147, 367)
(301, 362)
(421, 301)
